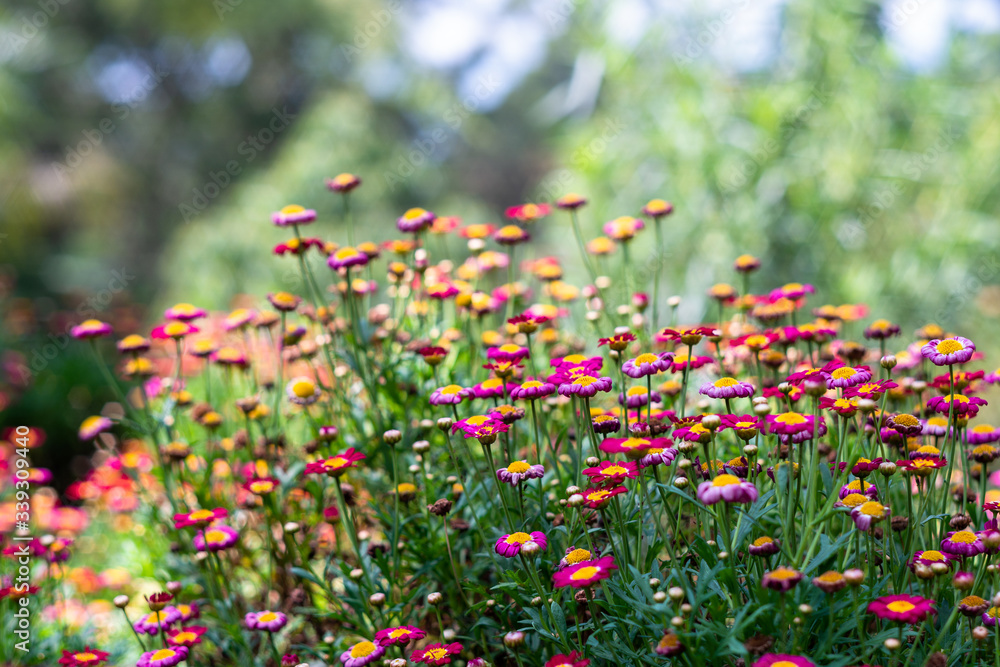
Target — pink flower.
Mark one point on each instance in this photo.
(509, 546)
(729, 488)
(948, 351)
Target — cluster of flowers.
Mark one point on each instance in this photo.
(686, 479)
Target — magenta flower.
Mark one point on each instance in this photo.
(910, 609)
(585, 574)
(948, 351)
(94, 426)
(532, 389)
(184, 312)
(164, 657)
(346, 257)
(451, 394)
(847, 376)
(782, 660)
(865, 514)
(793, 423)
(400, 635)
(729, 488)
(491, 388)
(91, 329)
(509, 546)
(293, 215)
(764, 546)
(361, 654)
(153, 622)
(510, 352)
(414, 220)
(637, 397)
(585, 385)
(267, 621)
(963, 543)
(216, 538)
(199, 517)
(726, 388)
(612, 473)
(648, 364)
(859, 486)
(781, 579)
(518, 470)
(963, 405)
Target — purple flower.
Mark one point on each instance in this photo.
(729, 488)
(948, 351)
(847, 376)
(164, 657)
(585, 385)
(269, 621)
(764, 546)
(361, 654)
(451, 394)
(91, 329)
(962, 543)
(509, 546)
(658, 456)
(532, 389)
(648, 364)
(518, 470)
(637, 397)
(153, 622)
(414, 220)
(726, 388)
(866, 514)
(216, 538)
(293, 215)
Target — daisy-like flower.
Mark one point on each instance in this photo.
(436, 654)
(238, 319)
(343, 183)
(781, 579)
(726, 388)
(746, 264)
(830, 582)
(133, 343)
(746, 426)
(518, 470)
(633, 448)
(400, 635)
(922, 466)
(414, 220)
(284, 301)
(510, 235)
(618, 342)
(184, 312)
(574, 556)
(691, 336)
(964, 543)
(528, 212)
(861, 487)
(963, 405)
(973, 605)
(683, 361)
(267, 621)
(164, 657)
(866, 514)
(623, 228)
(657, 208)
(94, 426)
(346, 257)
(451, 394)
(911, 609)
(637, 397)
(216, 538)
(199, 517)
(293, 215)
(783, 660)
(509, 546)
(764, 546)
(847, 376)
(872, 390)
(509, 352)
(792, 291)
(991, 616)
(865, 467)
(948, 351)
(175, 330)
(88, 657)
(657, 456)
(905, 424)
(335, 466)
(606, 424)
(491, 388)
(648, 364)
(532, 389)
(574, 659)
(930, 557)
(91, 329)
(669, 644)
(881, 329)
(982, 434)
(585, 385)
(585, 574)
(361, 654)
(487, 431)
(598, 498)
(729, 488)
(792, 423)
(612, 473)
(302, 391)
(153, 622)
(189, 636)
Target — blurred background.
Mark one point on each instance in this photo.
(847, 143)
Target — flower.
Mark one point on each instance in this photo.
(346, 257)
(792, 423)
(91, 329)
(633, 448)
(164, 657)
(88, 657)
(451, 394)
(866, 514)
(293, 215)
(930, 557)
(585, 574)
(973, 605)
(726, 388)
(729, 488)
(436, 654)
(414, 221)
(574, 659)
(532, 389)
(618, 342)
(764, 546)
(133, 343)
(302, 391)
(519, 470)
(509, 546)
(574, 556)
(948, 351)
(152, 623)
(597, 498)
(612, 473)
(94, 426)
(781, 579)
(623, 228)
(637, 397)
(216, 538)
(830, 582)
(910, 609)
(175, 330)
(361, 654)
(585, 385)
(684, 361)
(199, 517)
(847, 376)
(962, 405)
(657, 208)
(647, 364)
(905, 424)
(921, 466)
(343, 183)
(859, 486)
(746, 263)
(399, 635)
(963, 543)
(528, 212)
(746, 426)
(991, 616)
(188, 636)
(184, 312)
(510, 235)
(268, 621)
(782, 660)
(881, 329)
(335, 466)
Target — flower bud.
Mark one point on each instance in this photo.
(392, 436)
(686, 608)
(491, 603)
(866, 405)
(356, 573)
(476, 245)
(996, 600)
(892, 644)
(536, 601)
(654, 582)
(674, 301)
(421, 447)
(963, 581)
(980, 633)
(593, 461)
(723, 555)
(570, 490)
(677, 621)
(530, 548)
(918, 386)
(291, 527)
(676, 593)
(513, 639)
(805, 609)
(888, 362)
(923, 572)
(376, 599)
(121, 601)
(681, 482)
(939, 568)
(762, 409)
(887, 468)
(659, 596)
(575, 500)
(854, 576)
(711, 422)
(434, 598)
(174, 587)
(684, 464)
(444, 424)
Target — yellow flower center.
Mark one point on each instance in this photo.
(853, 500)
(900, 606)
(973, 601)
(964, 537)
(292, 208)
(635, 443)
(933, 555)
(831, 577)
(577, 556)
(201, 515)
(362, 650)
(636, 391)
(784, 573)
(646, 358)
(597, 495)
(303, 389)
(215, 536)
(84, 657)
(906, 420)
(983, 428)
(398, 632)
(761, 541)
(176, 329)
(518, 538)
(783, 663)
(346, 253)
(436, 653)
(492, 383)
(949, 346)
(335, 462)
(451, 389)
(185, 636)
(790, 418)
(614, 470)
(726, 382)
(343, 179)
(163, 654)
(267, 617)
(843, 373)
(586, 572)
(725, 480)
(518, 467)
(872, 508)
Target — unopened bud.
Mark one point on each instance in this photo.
(444, 424)
(356, 573)
(174, 587)
(434, 598)
(421, 446)
(888, 361)
(654, 582)
(575, 500)
(121, 601)
(681, 482)
(939, 568)
(762, 409)
(854, 576)
(887, 468)
(291, 527)
(593, 461)
(805, 609)
(376, 599)
(866, 405)
(711, 422)
(677, 621)
(513, 639)
(676, 593)
(392, 436)
(750, 450)
(980, 633)
(659, 596)
(892, 644)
